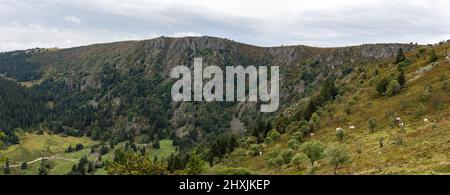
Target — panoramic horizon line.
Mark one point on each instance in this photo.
(216, 37)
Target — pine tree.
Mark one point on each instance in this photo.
(6, 169)
(81, 170)
(400, 56)
(91, 168)
(156, 143)
(401, 78)
(69, 149)
(195, 165)
(24, 166)
(43, 168)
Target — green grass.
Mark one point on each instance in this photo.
(166, 148)
(35, 146)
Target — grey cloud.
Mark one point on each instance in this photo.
(104, 21)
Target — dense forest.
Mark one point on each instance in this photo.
(18, 66)
(20, 107)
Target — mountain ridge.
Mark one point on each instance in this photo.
(118, 92)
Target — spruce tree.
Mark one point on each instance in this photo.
(401, 78)
(400, 56)
(24, 166)
(6, 169)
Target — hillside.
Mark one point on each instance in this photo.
(416, 144)
(120, 92)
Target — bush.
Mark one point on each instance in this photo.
(287, 155)
(340, 134)
(349, 107)
(24, 166)
(382, 85)
(359, 147)
(372, 124)
(432, 56)
(272, 136)
(293, 144)
(293, 127)
(313, 150)
(195, 165)
(422, 50)
(297, 135)
(381, 141)
(299, 159)
(420, 110)
(426, 94)
(393, 88)
(255, 149)
(398, 140)
(276, 162)
(304, 128)
(337, 156)
(251, 140)
(314, 122)
(401, 78)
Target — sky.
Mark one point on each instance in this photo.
(326, 23)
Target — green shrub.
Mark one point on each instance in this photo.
(272, 136)
(426, 93)
(294, 144)
(337, 156)
(420, 110)
(313, 150)
(255, 149)
(382, 85)
(314, 122)
(287, 155)
(340, 134)
(398, 140)
(299, 159)
(433, 56)
(372, 124)
(393, 88)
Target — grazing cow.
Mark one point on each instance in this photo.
(398, 120)
(402, 125)
(352, 127)
(312, 134)
(425, 120)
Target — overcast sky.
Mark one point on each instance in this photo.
(67, 23)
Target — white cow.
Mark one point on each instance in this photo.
(352, 127)
(425, 120)
(402, 125)
(312, 134)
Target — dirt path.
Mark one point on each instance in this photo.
(45, 158)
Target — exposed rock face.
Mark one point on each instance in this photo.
(170, 52)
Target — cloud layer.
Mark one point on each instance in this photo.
(53, 23)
